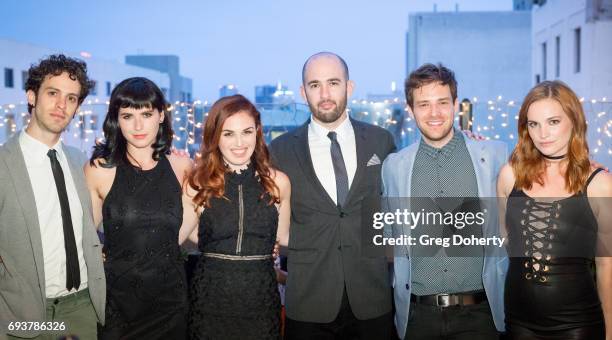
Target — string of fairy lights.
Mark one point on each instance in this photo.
(494, 119)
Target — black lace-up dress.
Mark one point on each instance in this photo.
(550, 286)
(145, 276)
(234, 293)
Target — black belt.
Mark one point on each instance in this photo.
(447, 300)
(238, 257)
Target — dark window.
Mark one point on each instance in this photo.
(108, 88)
(9, 80)
(93, 120)
(94, 88)
(544, 61)
(82, 125)
(24, 79)
(10, 125)
(558, 56)
(577, 50)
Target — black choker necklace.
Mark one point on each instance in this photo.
(554, 157)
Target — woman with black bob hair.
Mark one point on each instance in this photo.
(136, 93)
(135, 187)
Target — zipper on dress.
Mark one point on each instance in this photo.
(240, 220)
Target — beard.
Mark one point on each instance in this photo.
(46, 123)
(432, 136)
(331, 115)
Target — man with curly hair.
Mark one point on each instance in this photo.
(51, 274)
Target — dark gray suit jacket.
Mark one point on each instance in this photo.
(327, 250)
(22, 277)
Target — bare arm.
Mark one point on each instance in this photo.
(284, 208)
(505, 182)
(604, 288)
(188, 231)
(600, 195)
(99, 182)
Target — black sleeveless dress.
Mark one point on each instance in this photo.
(146, 291)
(234, 294)
(550, 290)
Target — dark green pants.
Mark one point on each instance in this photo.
(473, 322)
(74, 314)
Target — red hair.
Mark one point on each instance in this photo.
(207, 177)
(528, 163)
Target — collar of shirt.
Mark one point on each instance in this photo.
(318, 132)
(446, 150)
(36, 151)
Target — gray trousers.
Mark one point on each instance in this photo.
(71, 315)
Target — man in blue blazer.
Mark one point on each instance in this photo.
(443, 296)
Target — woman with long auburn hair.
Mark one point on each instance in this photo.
(556, 214)
(243, 207)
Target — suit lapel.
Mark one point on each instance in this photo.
(25, 196)
(90, 242)
(302, 153)
(76, 170)
(362, 149)
(482, 165)
(405, 183)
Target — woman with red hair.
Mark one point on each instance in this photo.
(557, 222)
(243, 206)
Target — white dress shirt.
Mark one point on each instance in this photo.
(49, 212)
(320, 153)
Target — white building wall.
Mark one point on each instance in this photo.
(601, 60)
(86, 127)
(561, 18)
(594, 80)
(20, 56)
(490, 52)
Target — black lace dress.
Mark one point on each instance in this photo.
(233, 294)
(146, 294)
(550, 287)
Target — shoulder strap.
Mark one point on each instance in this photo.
(591, 177)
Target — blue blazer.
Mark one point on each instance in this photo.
(487, 157)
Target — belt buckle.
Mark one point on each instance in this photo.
(443, 300)
(71, 295)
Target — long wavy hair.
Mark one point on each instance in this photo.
(527, 161)
(136, 93)
(208, 175)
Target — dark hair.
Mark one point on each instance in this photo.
(54, 65)
(427, 74)
(207, 177)
(326, 54)
(135, 93)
